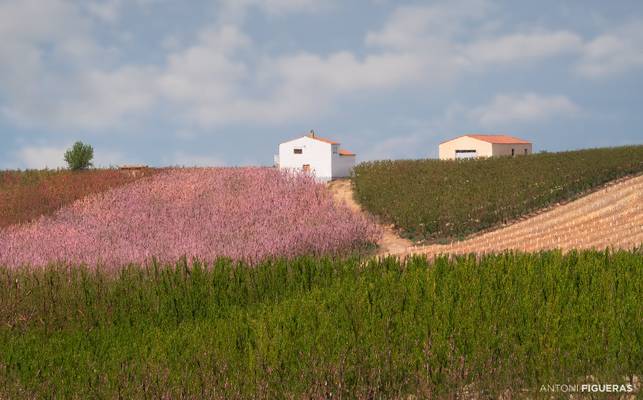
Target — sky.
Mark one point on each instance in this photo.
(223, 82)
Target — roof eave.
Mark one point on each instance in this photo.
(472, 136)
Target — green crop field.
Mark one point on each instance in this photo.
(435, 200)
(349, 328)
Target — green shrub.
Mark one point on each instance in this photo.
(321, 328)
(434, 199)
(79, 156)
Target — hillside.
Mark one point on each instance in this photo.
(433, 200)
(27, 195)
(204, 213)
(389, 242)
(610, 217)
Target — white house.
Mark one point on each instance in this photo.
(472, 146)
(321, 157)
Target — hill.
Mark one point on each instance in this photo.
(438, 200)
(204, 213)
(27, 195)
(609, 217)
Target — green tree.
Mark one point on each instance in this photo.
(79, 156)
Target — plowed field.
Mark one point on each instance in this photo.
(609, 217)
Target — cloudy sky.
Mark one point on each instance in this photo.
(222, 82)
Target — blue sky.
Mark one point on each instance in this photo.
(222, 82)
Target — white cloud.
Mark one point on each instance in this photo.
(108, 10)
(34, 157)
(96, 100)
(237, 9)
(204, 78)
(614, 52)
(342, 71)
(51, 156)
(207, 61)
(204, 82)
(522, 47)
(449, 40)
(225, 77)
(300, 85)
(400, 146)
(434, 35)
(522, 108)
(213, 86)
(80, 95)
(111, 10)
(184, 159)
(412, 26)
(104, 158)
(429, 38)
(48, 20)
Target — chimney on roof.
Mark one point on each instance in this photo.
(312, 133)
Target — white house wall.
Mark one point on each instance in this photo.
(314, 152)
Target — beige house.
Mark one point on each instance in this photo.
(472, 146)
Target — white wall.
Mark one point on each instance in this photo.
(314, 152)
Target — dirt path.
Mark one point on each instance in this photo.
(390, 243)
(611, 216)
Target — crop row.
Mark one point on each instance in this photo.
(434, 199)
(323, 328)
(609, 217)
(26, 195)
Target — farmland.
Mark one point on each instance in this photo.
(610, 217)
(26, 195)
(252, 283)
(431, 200)
(320, 328)
(239, 213)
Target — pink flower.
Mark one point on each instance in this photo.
(241, 213)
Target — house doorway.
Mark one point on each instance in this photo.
(306, 167)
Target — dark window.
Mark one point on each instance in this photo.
(459, 154)
(298, 151)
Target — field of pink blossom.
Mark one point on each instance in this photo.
(240, 213)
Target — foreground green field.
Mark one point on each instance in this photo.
(321, 327)
(435, 200)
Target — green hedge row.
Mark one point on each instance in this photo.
(323, 328)
(434, 199)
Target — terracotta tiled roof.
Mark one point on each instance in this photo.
(501, 139)
(321, 139)
(344, 152)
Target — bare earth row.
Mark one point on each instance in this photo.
(610, 217)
